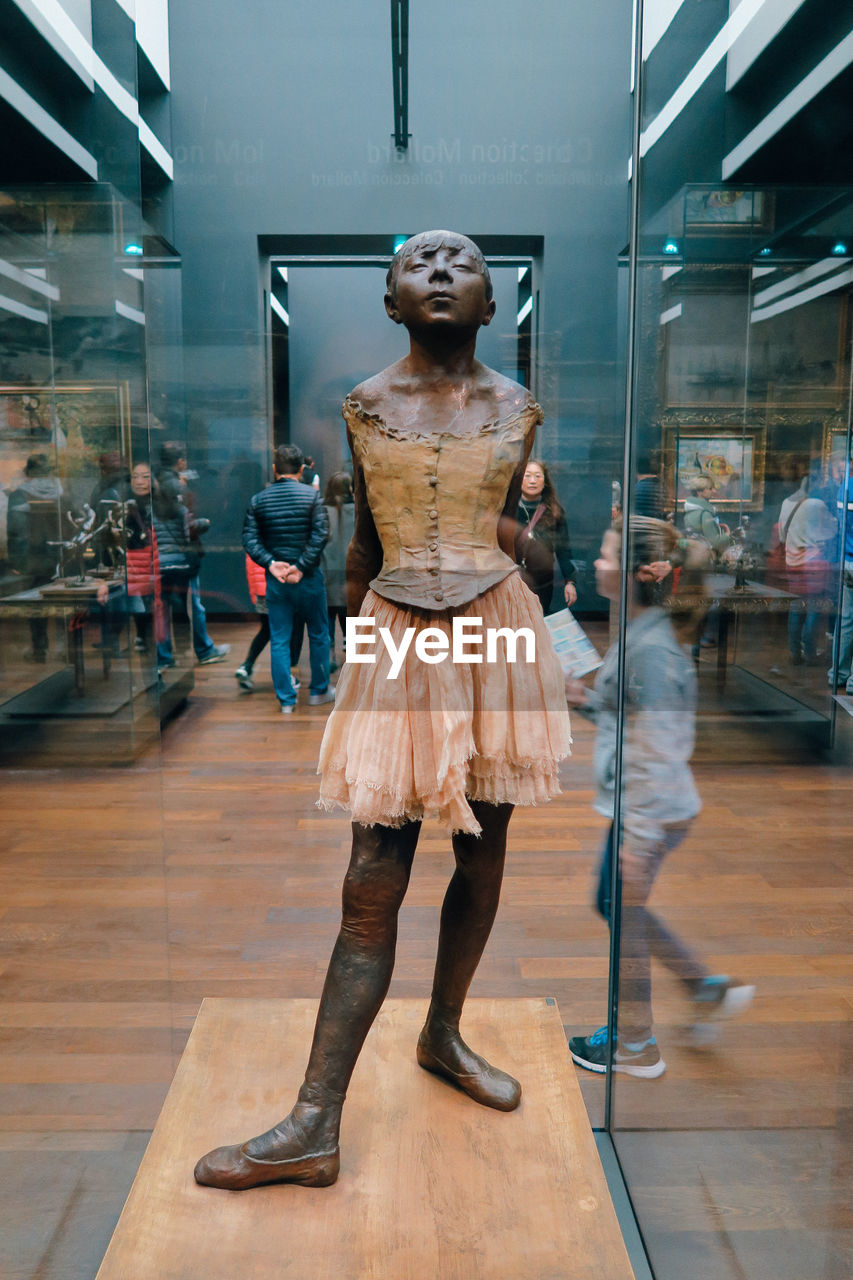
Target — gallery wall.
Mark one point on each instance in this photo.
(282, 124)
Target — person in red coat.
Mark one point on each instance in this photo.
(142, 561)
(257, 579)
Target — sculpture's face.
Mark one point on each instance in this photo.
(439, 283)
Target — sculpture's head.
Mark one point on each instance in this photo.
(439, 279)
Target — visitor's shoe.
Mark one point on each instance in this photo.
(288, 708)
(244, 678)
(719, 996)
(642, 1060)
(317, 699)
(715, 998)
(140, 645)
(218, 653)
(296, 682)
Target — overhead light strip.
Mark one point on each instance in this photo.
(79, 46)
(814, 272)
(44, 122)
(696, 77)
(279, 310)
(130, 313)
(28, 281)
(155, 149)
(524, 312)
(817, 79)
(21, 309)
(804, 296)
(672, 314)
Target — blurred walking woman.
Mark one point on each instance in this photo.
(338, 501)
(543, 535)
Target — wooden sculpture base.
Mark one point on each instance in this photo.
(432, 1186)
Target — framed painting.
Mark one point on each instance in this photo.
(732, 457)
(72, 422)
(834, 451)
(721, 209)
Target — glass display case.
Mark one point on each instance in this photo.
(80, 611)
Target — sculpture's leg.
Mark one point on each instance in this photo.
(467, 916)
(304, 1146)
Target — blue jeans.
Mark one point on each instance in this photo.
(284, 601)
(175, 603)
(643, 933)
(844, 675)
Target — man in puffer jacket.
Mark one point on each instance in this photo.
(285, 530)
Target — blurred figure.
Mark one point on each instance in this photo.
(542, 535)
(810, 528)
(144, 599)
(285, 530)
(659, 797)
(338, 501)
(35, 518)
(257, 580)
(308, 475)
(648, 489)
(700, 519)
(179, 532)
(842, 674)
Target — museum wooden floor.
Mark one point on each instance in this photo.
(205, 870)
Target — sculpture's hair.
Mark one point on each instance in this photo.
(287, 459)
(415, 242)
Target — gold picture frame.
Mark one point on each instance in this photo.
(733, 456)
(72, 422)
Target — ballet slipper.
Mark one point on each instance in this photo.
(487, 1085)
(232, 1169)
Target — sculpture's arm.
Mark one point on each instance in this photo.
(507, 522)
(364, 555)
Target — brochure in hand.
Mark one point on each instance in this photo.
(578, 655)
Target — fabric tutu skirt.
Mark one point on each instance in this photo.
(445, 733)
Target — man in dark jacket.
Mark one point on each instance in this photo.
(285, 530)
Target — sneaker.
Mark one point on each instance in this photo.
(218, 653)
(715, 998)
(243, 676)
(317, 699)
(297, 684)
(140, 645)
(719, 996)
(642, 1060)
(288, 708)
